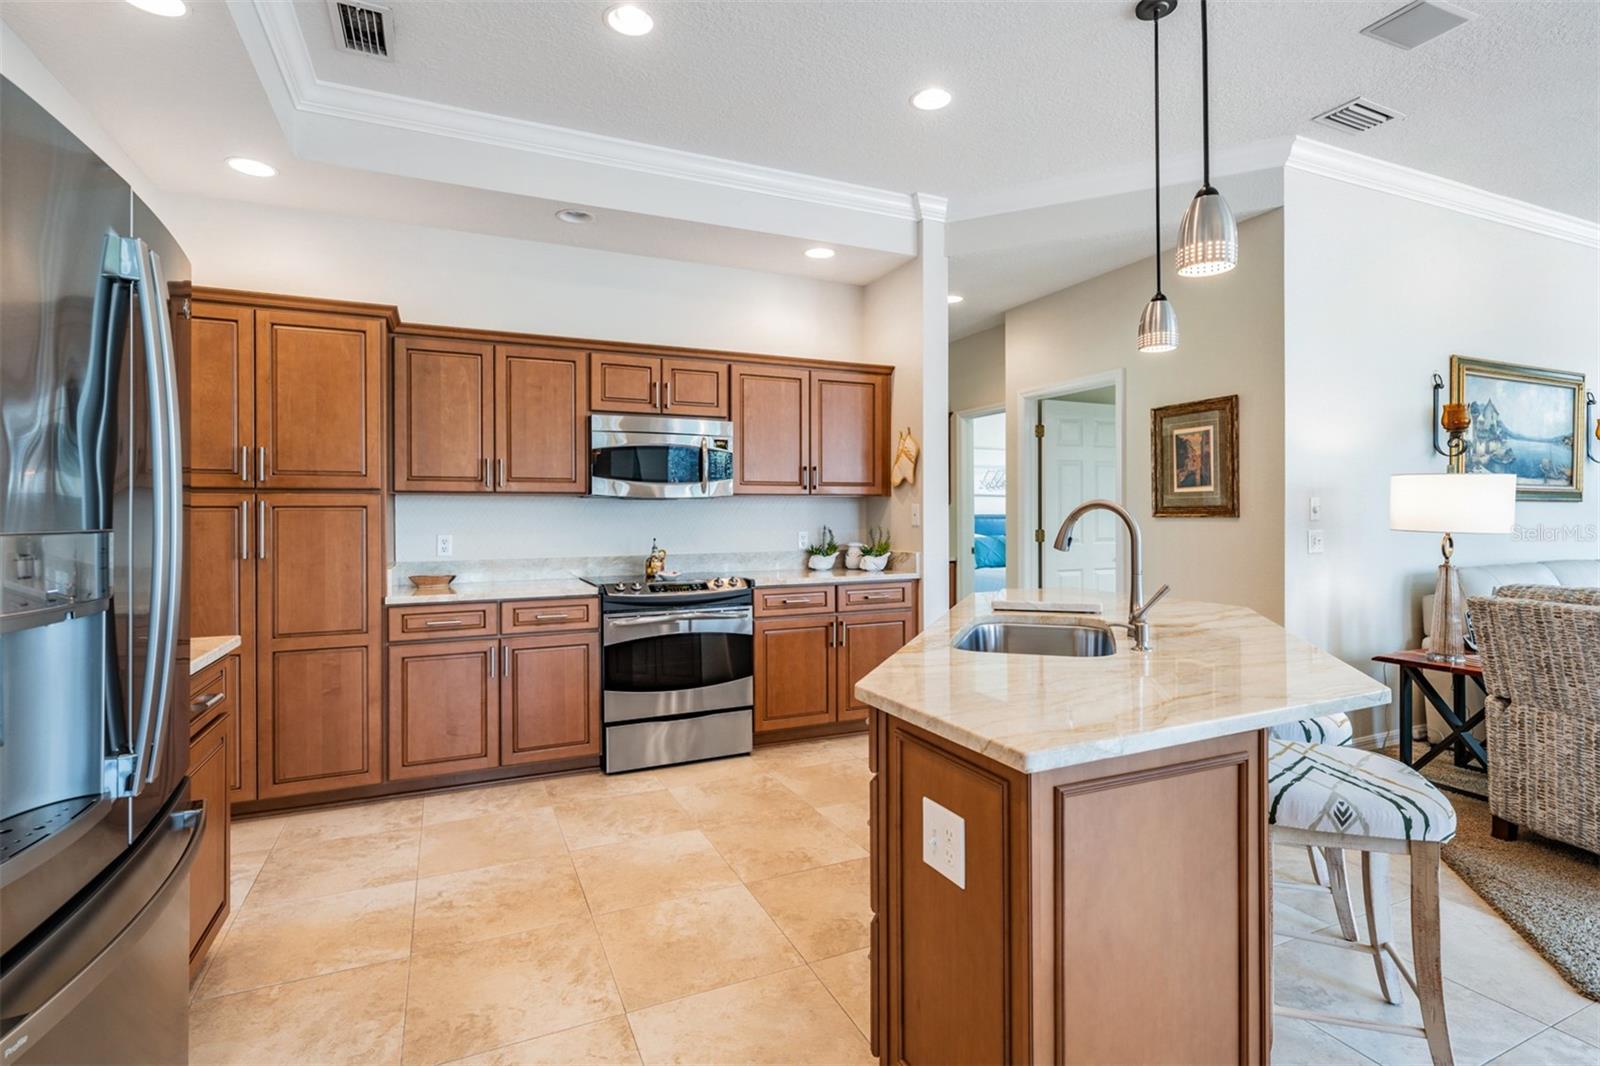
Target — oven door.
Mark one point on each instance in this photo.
(664, 664)
(660, 458)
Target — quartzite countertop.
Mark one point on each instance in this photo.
(1215, 670)
(480, 591)
(768, 578)
(203, 651)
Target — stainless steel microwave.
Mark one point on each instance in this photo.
(651, 457)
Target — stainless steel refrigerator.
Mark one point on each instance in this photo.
(97, 832)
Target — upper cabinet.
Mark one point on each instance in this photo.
(222, 397)
(810, 432)
(642, 384)
(540, 420)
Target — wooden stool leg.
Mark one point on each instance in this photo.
(1319, 869)
(1501, 829)
(1425, 948)
(1375, 892)
(1339, 887)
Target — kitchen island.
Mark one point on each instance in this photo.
(1070, 853)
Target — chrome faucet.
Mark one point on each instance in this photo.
(1138, 606)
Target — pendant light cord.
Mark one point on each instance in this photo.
(1205, 95)
(1156, 25)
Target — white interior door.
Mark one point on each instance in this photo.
(1079, 456)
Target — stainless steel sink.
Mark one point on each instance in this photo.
(1031, 638)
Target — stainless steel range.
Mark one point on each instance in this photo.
(678, 664)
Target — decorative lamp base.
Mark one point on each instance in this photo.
(1448, 644)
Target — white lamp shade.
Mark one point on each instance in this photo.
(1453, 503)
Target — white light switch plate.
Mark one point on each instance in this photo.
(944, 842)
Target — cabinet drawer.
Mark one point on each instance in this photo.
(444, 620)
(213, 692)
(794, 599)
(539, 616)
(875, 597)
(208, 877)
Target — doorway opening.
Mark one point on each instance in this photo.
(980, 504)
(1071, 451)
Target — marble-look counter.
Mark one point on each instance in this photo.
(836, 576)
(1214, 670)
(203, 651)
(479, 591)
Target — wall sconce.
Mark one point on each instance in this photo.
(1454, 420)
(1588, 419)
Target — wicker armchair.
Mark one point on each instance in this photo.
(1541, 670)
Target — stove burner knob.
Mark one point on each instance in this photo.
(715, 582)
(621, 587)
(637, 586)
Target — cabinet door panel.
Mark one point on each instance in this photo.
(319, 399)
(208, 877)
(849, 433)
(865, 641)
(694, 387)
(771, 430)
(319, 720)
(541, 432)
(794, 672)
(315, 560)
(624, 384)
(220, 556)
(550, 698)
(444, 708)
(222, 413)
(443, 415)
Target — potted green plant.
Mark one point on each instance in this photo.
(823, 551)
(875, 552)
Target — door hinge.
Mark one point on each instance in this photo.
(1038, 430)
(1038, 536)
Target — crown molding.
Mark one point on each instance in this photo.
(931, 208)
(311, 95)
(1341, 164)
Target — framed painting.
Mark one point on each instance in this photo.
(1526, 421)
(1194, 459)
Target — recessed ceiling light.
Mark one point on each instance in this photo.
(166, 8)
(931, 99)
(953, 298)
(574, 216)
(819, 253)
(253, 167)
(630, 20)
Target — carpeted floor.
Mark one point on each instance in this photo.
(1547, 891)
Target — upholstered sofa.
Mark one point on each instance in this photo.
(1541, 669)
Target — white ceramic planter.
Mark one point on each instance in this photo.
(874, 563)
(821, 562)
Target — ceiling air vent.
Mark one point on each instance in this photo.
(1357, 116)
(1417, 23)
(362, 28)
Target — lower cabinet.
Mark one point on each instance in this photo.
(864, 642)
(550, 697)
(208, 784)
(444, 708)
(795, 665)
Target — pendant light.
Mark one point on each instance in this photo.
(1208, 240)
(1158, 326)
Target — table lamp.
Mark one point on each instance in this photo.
(1447, 504)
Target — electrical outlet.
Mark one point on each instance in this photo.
(1314, 542)
(445, 547)
(1316, 508)
(916, 516)
(805, 540)
(944, 842)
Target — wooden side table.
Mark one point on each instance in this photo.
(1454, 713)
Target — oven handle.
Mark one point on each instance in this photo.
(712, 614)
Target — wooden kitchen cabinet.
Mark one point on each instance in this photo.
(444, 707)
(550, 698)
(443, 415)
(219, 555)
(810, 432)
(319, 685)
(866, 640)
(209, 876)
(319, 399)
(771, 430)
(795, 665)
(221, 427)
(541, 427)
(622, 383)
(849, 433)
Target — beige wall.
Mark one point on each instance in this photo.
(1232, 342)
(978, 370)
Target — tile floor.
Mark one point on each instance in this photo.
(700, 914)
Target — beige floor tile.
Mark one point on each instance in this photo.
(1299, 1043)
(354, 1016)
(594, 783)
(243, 869)
(824, 912)
(332, 866)
(493, 901)
(1585, 1024)
(815, 752)
(678, 947)
(255, 834)
(760, 850)
(269, 944)
(752, 798)
(828, 783)
(591, 822)
(1550, 1048)
(508, 800)
(607, 1043)
(350, 820)
(650, 869)
(491, 993)
(854, 818)
(785, 1017)
(848, 978)
(489, 840)
(735, 768)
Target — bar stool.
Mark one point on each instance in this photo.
(1340, 799)
(1326, 729)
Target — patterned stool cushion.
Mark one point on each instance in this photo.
(1326, 729)
(1353, 793)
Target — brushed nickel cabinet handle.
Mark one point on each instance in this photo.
(492, 658)
(201, 706)
(445, 622)
(844, 633)
(486, 483)
(261, 531)
(500, 471)
(562, 617)
(244, 530)
(244, 463)
(666, 395)
(505, 661)
(261, 465)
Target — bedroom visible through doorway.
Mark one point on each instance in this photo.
(980, 547)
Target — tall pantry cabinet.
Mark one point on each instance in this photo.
(286, 519)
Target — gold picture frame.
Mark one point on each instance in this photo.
(1526, 420)
(1194, 459)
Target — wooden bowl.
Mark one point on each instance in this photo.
(431, 581)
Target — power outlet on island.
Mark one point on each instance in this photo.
(944, 842)
(445, 547)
